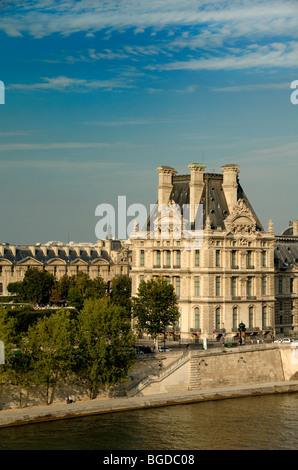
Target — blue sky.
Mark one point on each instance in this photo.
(100, 93)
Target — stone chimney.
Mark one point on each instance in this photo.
(32, 248)
(230, 184)
(165, 184)
(295, 227)
(196, 186)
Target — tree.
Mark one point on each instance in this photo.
(14, 287)
(105, 344)
(51, 345)
(155, 307)
(37, 286)
(121, 292)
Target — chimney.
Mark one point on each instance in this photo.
(230, 184)
(165, 184)
(32, 248)
(196, 186)
(295, 227)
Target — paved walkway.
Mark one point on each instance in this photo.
(20, 416)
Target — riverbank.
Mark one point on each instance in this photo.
(57, 411)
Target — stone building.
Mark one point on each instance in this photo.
(107, 258)
(231, 277)
(286, 280)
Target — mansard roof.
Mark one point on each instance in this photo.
(286, 252)
(213, 198)
(17, 254)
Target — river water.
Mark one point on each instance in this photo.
(254, 423)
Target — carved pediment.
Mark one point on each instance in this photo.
(28, 261)
(241, 220)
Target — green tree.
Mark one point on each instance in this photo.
(51, 345)
(105, 344)
(37, 286)
(7, 336)
(155, 307)
(14, 287)
(121, 292)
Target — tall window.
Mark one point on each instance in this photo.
(197, 286)
(249, 258)
(158, 258)
(217, 258)
(280, 284)
(217, 286)
(217, 318)
(142, 259)
(178, 287)
(264, 316)
(235, 317)
(264, 285)
(197, 319)
(249, 286)
(251, 317)
(197, 258)
(291, 285)
(264, 259)
(233, 286)
(233, 259)
(178, 259)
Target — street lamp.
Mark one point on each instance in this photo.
(242, 329)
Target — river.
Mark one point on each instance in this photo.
(254, 423)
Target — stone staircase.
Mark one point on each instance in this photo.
(194, 375)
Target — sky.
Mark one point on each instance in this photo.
(98, 94)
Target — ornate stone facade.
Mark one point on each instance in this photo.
(107, 258)
(231, 277)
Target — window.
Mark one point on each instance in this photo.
(291, 285)
(197, 258)
(233, 286)
(142, 258)
(197, 286)
(249, 258)
(158, 259)
(235, 317)
(280, 284)
(233, 259)
(141, 278)
(217, 286)
(249, 286)
(264, 259)
(217, 318)
(217, 258)
(178, 259)
(197, 319)
(264, 285)
(264, 316)
(178, 287)
(251, 317)
(1, 288)
(168, 258)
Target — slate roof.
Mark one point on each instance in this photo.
(213, 198)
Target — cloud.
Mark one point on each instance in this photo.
(41, 18)
(271, 55)
(63, 83)
(255, 87)
(62, 145)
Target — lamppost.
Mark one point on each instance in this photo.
(242, 329)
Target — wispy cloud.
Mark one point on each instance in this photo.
(271, 55)
(255, 87)
(63, 145)
(63, 83)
